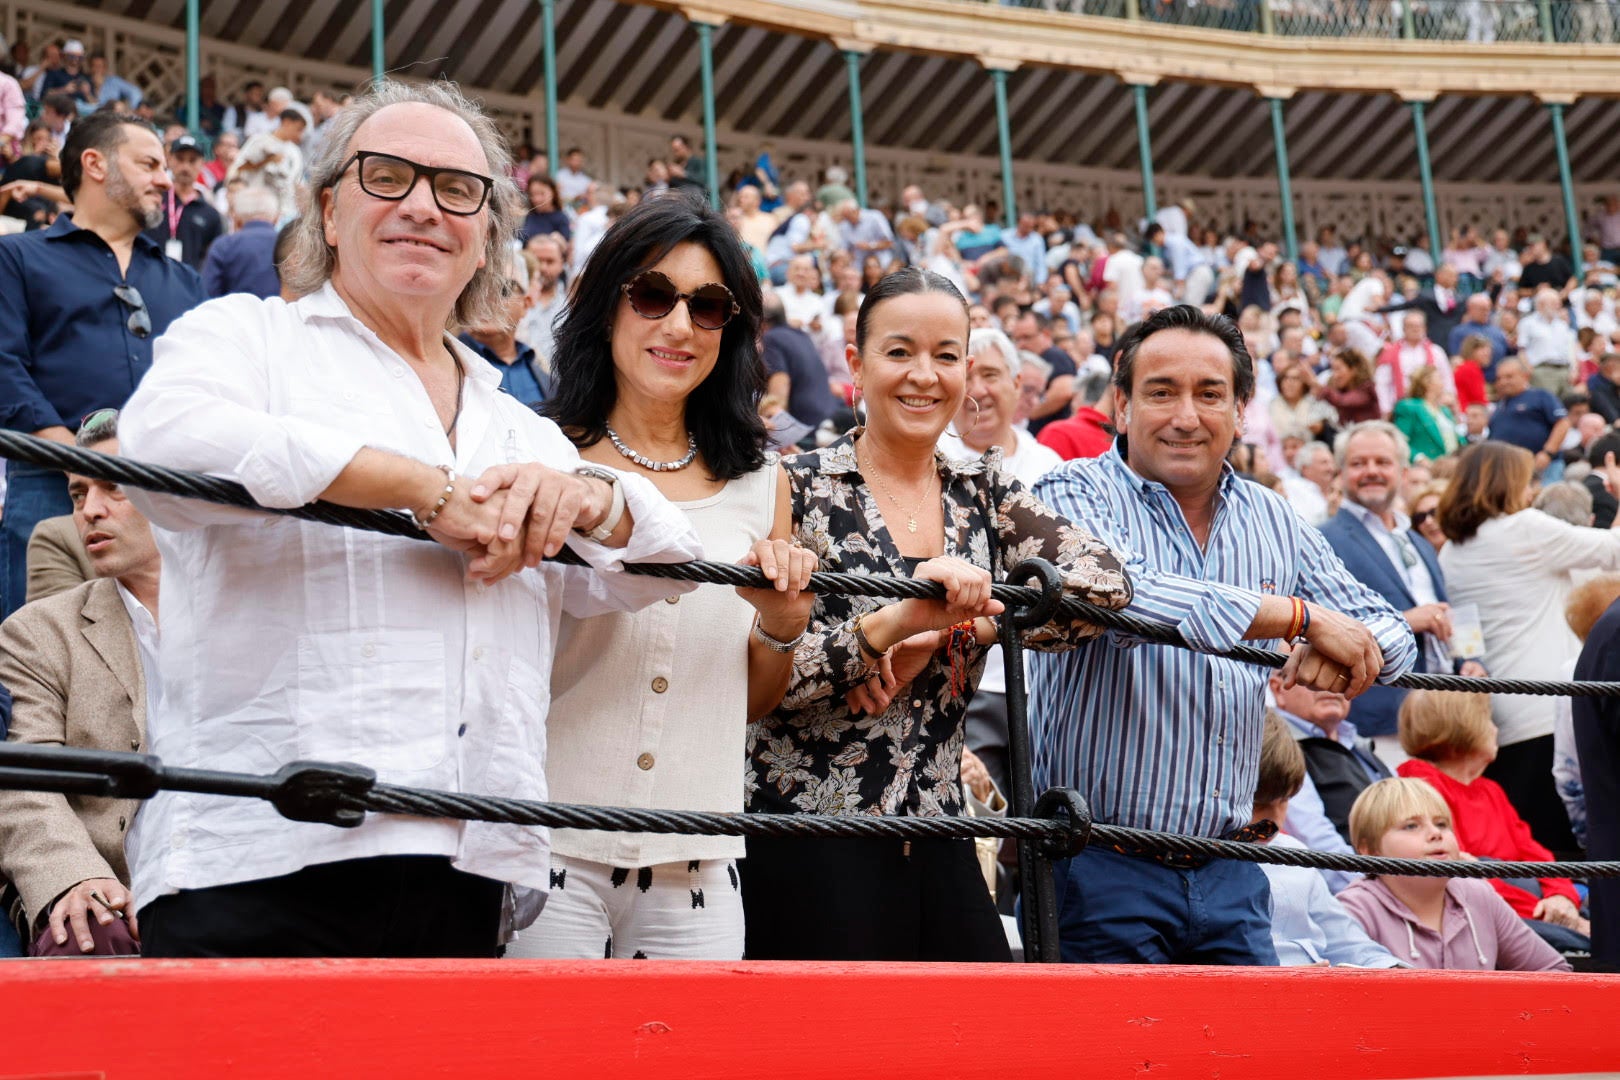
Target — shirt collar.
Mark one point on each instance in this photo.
(326, 304)
(1345, 734)
(838, 458)
(1370, 519)
(1116, 459)
(63, 226)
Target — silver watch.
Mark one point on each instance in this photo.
(615, 512)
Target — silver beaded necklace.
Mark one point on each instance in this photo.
(649, 463)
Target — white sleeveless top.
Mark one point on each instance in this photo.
(650, 709)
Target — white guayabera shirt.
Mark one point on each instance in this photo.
(285, 640)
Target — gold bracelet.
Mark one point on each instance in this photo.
(861, 640)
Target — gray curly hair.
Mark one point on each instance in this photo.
(311, 259)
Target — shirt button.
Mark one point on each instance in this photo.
(122, 821)
(399, 373)
(348, 395)
(672, 599)
(368, 651)
(478, 653)
(462, 730)
(644, 762)
(659, 685)
(1220, 740)
(916, 703)
(134, 744)
(1217, 793)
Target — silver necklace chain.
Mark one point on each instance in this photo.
(649, 463)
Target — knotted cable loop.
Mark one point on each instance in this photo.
(1049, 581)
(1067, 808)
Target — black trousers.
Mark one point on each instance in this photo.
(837, 899)
(1524, 770)
(391, 905)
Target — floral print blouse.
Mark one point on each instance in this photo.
(812, 755)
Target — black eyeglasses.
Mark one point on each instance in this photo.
(1420, 517)
(140, 320)
(652, 296)
(384, 176)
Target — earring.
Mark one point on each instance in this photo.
(976, 410)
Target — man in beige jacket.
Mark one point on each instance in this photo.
(74, 663)
(57, 560)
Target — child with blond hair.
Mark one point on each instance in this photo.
(1458, 924)
(1451, 741)
(1308, 926)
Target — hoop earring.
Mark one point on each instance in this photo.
(976, 410)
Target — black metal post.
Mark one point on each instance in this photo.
(1039, 922)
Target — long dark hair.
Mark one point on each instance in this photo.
(722, 413)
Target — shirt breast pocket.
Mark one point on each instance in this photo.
(373, 698)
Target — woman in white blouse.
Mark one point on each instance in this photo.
(658, 372)
(1514, 562)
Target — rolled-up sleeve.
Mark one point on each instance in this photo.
(1325, 581)
(204, 407)
(661, 533)
(1211, 616)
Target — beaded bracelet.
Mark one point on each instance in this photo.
(438, 507)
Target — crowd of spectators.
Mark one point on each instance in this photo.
(1443, 423)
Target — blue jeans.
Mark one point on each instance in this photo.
(1120, 909)
(10, 944)
(32, 495)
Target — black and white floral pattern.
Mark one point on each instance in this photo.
(812, 755)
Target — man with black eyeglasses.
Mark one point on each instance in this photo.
(1379, 547)
(80, 305)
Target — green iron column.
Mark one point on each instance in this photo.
(548, 45)
(857, 126)
(1566, 180)
(1431, 215)
(1144, 143)
(1009, 197)
(193, 66)
(712, 167)
(379, 63)
(1285, 186)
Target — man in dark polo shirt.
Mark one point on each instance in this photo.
(80, 305)
(1032, 332)
(190, 223)
(1528, 416)
(793, 368)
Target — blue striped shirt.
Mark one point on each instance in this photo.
(1159, 737)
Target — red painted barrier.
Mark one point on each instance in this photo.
(169, 1020)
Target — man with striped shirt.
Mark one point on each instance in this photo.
(1167, 738)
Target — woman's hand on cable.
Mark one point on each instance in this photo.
(784, 608)
(1341, 655)
(967, 596)
(894, 672)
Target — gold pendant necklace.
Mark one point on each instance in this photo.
(911, 515)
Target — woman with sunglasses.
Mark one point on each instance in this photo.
(873, 720)
(658, 371)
